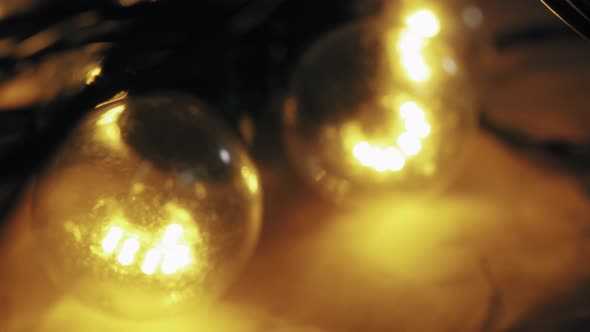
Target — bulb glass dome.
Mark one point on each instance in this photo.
(374, 108)
(151, 205)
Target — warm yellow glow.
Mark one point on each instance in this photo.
(167, 250)
(128, 251)
(177, 214)
(128, 3)
(391, 160)
(111, 116)
(172, 234)
(414, 120)
(112, 134)
(151, 261)
(409, 42)
(415, 66)
(410, 54)
(424, 22)
(417, 127)
(409, 144)
(410, 111)
(111, 240)
(380, 159)
(137, 188)
(108, 130)
(176, 257)
(250, 178)
(362, 151)
(93, 74)
(388, 152)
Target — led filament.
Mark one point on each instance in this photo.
(410, 44)
(377, 108)
(170, 254)
(392, 158)
(424, 23)
(151, 206)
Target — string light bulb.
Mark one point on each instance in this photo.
(376, 108)
(150, 206)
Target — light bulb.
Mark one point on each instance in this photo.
(150, 206)
(373, 108)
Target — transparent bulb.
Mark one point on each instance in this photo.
(373, 109)
(150, 206)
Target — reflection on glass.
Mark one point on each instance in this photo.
(111, 240)
(151, 261)
(108, 130)
(250, 178)
(128, 251)
(93, 74)
(224, 155)
(415, 66)
(110, 116)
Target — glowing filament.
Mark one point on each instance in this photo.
(151, 261)
(392, 160)
(410, 46)
(111, 240)
(175, 258)
(169, 254)
(416, 67)
(381, 160)
(172, 234)
(424, 22)
(362, 152)
(389, 153)
(409, 144)
(414, 119)
(416, 128)
(422, 25)
(128, 251)
(410, 42)
(410, 111)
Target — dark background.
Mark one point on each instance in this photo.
(504, 249)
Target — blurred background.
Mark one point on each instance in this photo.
(504, 247)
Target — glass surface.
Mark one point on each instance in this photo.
(151, 205)
(374, 108)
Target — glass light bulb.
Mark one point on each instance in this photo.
(151, 205)
(373, 108)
